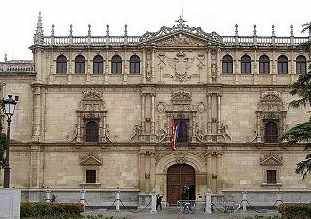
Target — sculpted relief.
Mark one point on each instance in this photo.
(181, 66)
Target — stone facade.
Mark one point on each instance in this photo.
(181, 76)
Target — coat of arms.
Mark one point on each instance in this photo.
(181, 64)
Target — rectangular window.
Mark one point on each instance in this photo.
(181, 130)
(90, 176)
(98, 68)
(80, 68)
(116, 67)
(301, 68)
(271, 176)
(245, 67)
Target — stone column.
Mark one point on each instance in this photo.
(218, 111)
(153, 114)
(141, 169)
(43, 113)
(125, 67)
(36, 127)
(208, 68)
(106, 72)
(209, 113)
(34, 166)
(142, 66)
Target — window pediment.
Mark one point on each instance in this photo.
(181, 35)
(90, 160)
(271, 160)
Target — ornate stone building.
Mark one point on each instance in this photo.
(95, 113)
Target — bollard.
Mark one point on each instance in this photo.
(118, 200)
(82, 197)
(208, 203)
(244, 201)
(48, 196)
(153, 203)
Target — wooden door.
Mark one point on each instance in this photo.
(180, 176)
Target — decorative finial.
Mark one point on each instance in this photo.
(70, 30)
(180, 22)
(5, 57)
(291, 30)
(273, 30)
(125, 30)
(39, 35)
(255, 31)
(236, 30)
(107, 30)
(52, 30)
(89, 30)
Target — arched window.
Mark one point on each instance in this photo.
(271, 132)
(61, 64)
(282, 65)
(116, 64)
(246, 64)
(134, 64)
(227, 64)
(91, 131)
(264, 65)
(301, 65)
(80, 64)
(98, 64)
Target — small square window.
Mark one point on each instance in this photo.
(271, 176)
(90, 176)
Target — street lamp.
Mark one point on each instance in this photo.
(8, 105)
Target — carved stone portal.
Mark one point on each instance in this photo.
(92, 107)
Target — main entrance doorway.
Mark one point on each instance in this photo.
(180, 183)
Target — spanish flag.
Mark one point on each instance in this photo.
(174, 126)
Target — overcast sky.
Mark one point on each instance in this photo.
(18, 18)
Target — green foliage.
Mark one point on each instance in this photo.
(301, 88)
(3, 146)
(299, 133)
(295, 211)
(304, 166)
(38, 209)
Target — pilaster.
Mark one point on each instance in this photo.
(36, 123)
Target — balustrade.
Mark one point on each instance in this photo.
(133, 40)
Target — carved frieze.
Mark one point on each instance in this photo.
(181, 97)
(180, 40)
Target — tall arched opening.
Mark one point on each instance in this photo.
(180, 183)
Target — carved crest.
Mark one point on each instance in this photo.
(181, 97)
(92, 94)
(271, 159)
(270, 101)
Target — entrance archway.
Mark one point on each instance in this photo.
(180, 183)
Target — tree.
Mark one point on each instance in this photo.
(302, 132)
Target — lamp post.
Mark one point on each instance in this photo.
(8, 107)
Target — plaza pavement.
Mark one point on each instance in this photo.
(173, 213)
